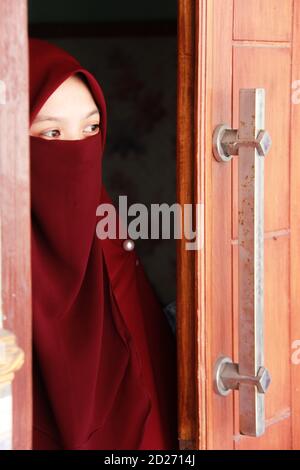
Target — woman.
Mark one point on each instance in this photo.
(104, 356)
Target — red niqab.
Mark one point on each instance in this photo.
(104, 356)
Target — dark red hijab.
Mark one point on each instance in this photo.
(104, 358)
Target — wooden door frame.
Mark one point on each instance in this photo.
(197, 39)
(15, 205)
(295, 230)
(190, 288)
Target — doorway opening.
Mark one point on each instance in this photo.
(131, 48)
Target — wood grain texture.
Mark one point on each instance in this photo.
(219, 338)
(186, 314)
(15, 205)
(203, 63)
(269, 68)
(278, 437)
(263, 20)
(295, 226)
(277, 347)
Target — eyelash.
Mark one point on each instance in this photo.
(96, 126)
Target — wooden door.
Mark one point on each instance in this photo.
(223, 46)
(15, 213)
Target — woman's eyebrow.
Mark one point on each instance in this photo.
(53, 118)
(95, 111)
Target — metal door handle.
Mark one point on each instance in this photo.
(251, 143)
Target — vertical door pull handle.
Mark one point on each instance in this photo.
(251, 142)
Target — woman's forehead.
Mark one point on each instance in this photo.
(72, 96)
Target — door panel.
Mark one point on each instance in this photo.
(267, 20)
(268, 68)
(277, 348)
(240, 44)
(277, 438)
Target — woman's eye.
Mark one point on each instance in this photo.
(53, 133)
(91, 128)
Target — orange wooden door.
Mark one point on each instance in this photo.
(15, 219)
(226, 45)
